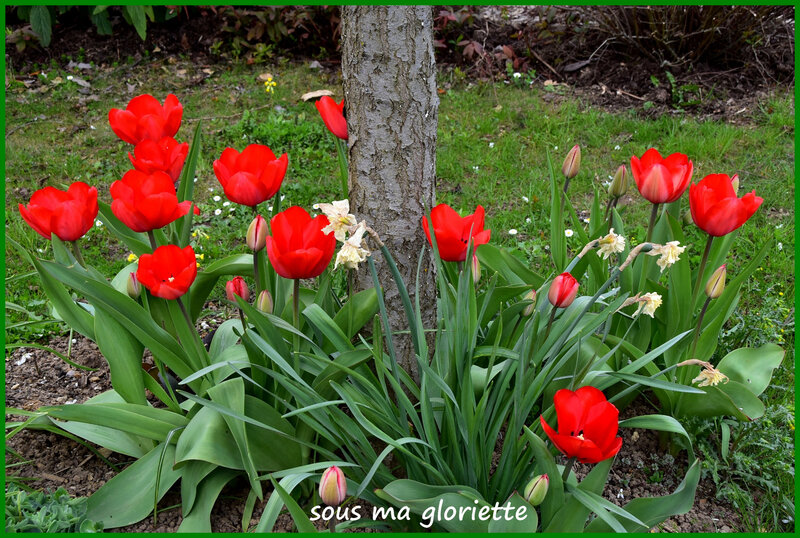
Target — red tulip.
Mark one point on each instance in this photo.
(146, 202)
(715, 207)
(333, 116)
(453, 232)
(168, 272)
(661, 180)
(145, 119)
(252, 176)
(166, 155)
(68, 214)
(563, 290)
(235, 287)
(298, 248)
(587, 425)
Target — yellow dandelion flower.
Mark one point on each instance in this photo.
(132, 257)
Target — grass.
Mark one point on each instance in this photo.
(494, 142)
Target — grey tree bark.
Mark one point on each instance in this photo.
(392, 107)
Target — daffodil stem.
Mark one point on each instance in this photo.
(152, 237)
(702, 268)
(76, 249)
(296, 322)
(567, 469)
(342, 154)
(653, 218)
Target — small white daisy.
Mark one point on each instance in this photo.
(92, 127)
(780, 246)
(211, 189)
(617, 147)
(491, 144)
(226, 204)
(568, 232)
(216, 198)
(525, 199)
(512, 231)
(69, 77)
(231, 209)
(517, 75)
(555, 148)
(217, 211)
(195, 180)
(98, 223)
(475, 168)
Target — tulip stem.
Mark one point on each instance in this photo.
(332, 522)
(255, 272)
(152, 237)
(296, 321)
(78, 256)
(697, 329)
(567, 469)
(700, 271)
(550, 322)
(653, 217)
(342, 154)
(185, 314)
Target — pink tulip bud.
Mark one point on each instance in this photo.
(264, 302)
(536, 490)
(476, 269)
(572, 164)
(134, 288)
(235, 287)
(563, 290)
(333, 486)
(257, 234)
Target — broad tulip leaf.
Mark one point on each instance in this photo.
(356, 312)
(301, 520)
(662, 423)
(199, 518)
(335, 371)
(752, 367)
(136, 242)
(655, 383)
(554, 499)
(128, 497)
(110, 438)
(572, 515)
(238, 264)
(653, 510)
(732, 398)
(123, 352)
(193, 472)
(524, 517)
(224, 337)
(510, 268)
(275, 504)
(135, 419)
(326, 327)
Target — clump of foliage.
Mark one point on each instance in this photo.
(38, 511)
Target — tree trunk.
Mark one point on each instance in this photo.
(392, 107)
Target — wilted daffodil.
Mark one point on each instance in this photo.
(648, 303)
(611, 244)
(338, 213)
(670, 253)
(352, 253)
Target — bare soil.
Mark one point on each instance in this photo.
(37, 378)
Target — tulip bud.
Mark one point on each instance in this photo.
(735, 183)
(476, 269)
(619, 185)
(264, 302)
(257, 234)
(687, 218)
(235, 287)
(716, 284)
(333, 486)
(572, 163)
(134, 288)
(528, 310)
(563, 290)
(536, 490)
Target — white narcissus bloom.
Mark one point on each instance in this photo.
(648, 303)
(670, 253)
(352, 253)
(340, 219)
(611, 244)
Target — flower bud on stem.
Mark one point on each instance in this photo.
(77, 251)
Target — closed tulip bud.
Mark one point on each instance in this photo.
(333, 487)
(716, 284)
(536, 490)
(563, 290)
(134, 288)
(264, 302)
(572, 164)
(619, 185)
(235, 287)
(257, 234)
(687, 218)
(528, 310)
(735, 183)
(476, 269)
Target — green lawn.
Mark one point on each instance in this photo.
(494, 144)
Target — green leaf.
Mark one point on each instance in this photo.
(299, 516)
(186, 186)
(138, 19)
(732, 398)
(238, 264)
(102, 22)
(655, 383)
(554, 499)
(752, 367)
(524, 517)
(123, 353)
(323, 323)
(275, 504)
(653, 510)
(509, 267)
(135, 241)
(193, 473)
(356, 312)
(199, 518)
(135, 419)
(572, 515)
(42, 24)
(662, 423)
(128, 497)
